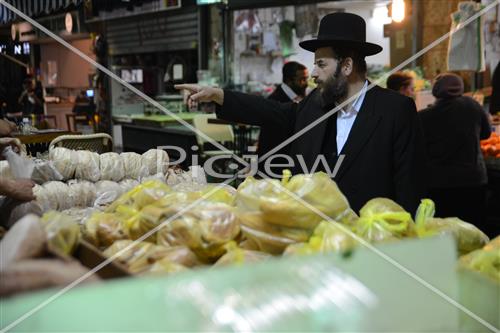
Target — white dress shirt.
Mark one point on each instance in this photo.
(345, 119)
(290, 93)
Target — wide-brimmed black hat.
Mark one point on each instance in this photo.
(344, 29)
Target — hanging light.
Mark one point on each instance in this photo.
(398, 10)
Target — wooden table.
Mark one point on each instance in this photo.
(39, 142)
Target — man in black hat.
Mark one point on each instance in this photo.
(375, 140)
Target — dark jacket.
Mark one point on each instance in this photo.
(383, 154)
(452, 130)
(279, 95)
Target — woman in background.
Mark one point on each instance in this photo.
(456, 173)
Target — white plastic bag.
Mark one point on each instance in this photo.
(156, 161)
(111, 167)
(132, 163)
(45, 171)
(88, 166)
(65, 160)
(82, 192)
(106, 192)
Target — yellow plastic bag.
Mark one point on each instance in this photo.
(139, 257)
(205, 229)
(63, 233)
(103, 229)
(485, 261)
(327, 237)
(468, 237)
(382, 219)
(238, 256)
(278, 201)
(142, 195)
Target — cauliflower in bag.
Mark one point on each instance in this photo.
(88, 167)
(103, 229)
(156, 161)
(485, 261)
(238, 256)
(141, 195)
(134, 169)
(65, 161)
(107, 192)
(82, 193)
(111, 166)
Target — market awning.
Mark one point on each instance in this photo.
(33, 8)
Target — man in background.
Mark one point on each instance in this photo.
(402, 83)
(293, 88)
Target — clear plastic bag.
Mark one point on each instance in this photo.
(80, 215)
(88, 167)
(82, 193)
(103, 229)
(281, 208)
(128, 184)
(111, 166)
(107, 192)
(139, 257)
(5, 171)
(55, 195)
(382, 220)
(156, 161)
(238, 256)
(467, 236)
(205, 229)
(141, 195)
(45, 171)
(134, 169)
(327, 237)
(65, 161)
(63, 233)
(485, 261)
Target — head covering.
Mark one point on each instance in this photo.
(344, 29)
(448, 85)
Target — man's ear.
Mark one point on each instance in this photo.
(347, 66)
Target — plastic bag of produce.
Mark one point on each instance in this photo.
(88, 167)
(42, 198)
(165, 267)
(44, 171)
(256, 221)
(5, 170)
(327, 237)
(103, 229)
(205, 228)
(238, 256)
(138, 257)
(141, 195)
(156, 161)
(485, 261)
(280, 207)
(63, 233)
(65, 160)
(55, 195)
(107, 191)
(134, 169)
(382, 219)
(111, 166)
(82, 193)
(128, 184)
(80, 215)
(467, 236)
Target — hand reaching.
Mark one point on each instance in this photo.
(197, 93)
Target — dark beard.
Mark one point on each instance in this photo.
(334, 89)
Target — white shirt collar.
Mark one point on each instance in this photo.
(288, 91)
(358, 102)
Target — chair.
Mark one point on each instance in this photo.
(99, 143)
(78, 119)
(219, 133)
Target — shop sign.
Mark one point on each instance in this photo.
(17, 49)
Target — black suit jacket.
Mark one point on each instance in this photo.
(384, 153)
(280, 95)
